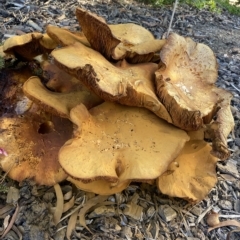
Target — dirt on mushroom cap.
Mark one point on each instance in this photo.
(32, 143)
(118, 143)
(185, 81)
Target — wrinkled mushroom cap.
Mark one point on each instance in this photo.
(29, 45)
(32, 143)
(219, 129)
(127, 84)
(25, 46)
(58, 103)
(185, 81)
(121, 41)
(192, 174)
(117, 143)
(93, 26)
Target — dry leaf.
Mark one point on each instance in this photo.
(59, 207)
(71, 224)
(88, 205)
(6, 222)
(68, 205)
(17, 231)
(67, 195)
(9, 226)
(233, 231)
(5, 210)
(225, 224)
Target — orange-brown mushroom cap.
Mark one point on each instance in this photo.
(118, 143)
(65, 37)
(32, 143)
(28, 46)
(47, 43)
(192, 174)
(121, 41)
(185, 81)
(101, 187)
(58, 103)
(59, 80)
(219, 129)
(127, 84)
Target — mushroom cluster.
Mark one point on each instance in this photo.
(115, 105)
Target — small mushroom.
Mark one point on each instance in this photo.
(121, 41)
(65, 37)
(127, 84)
(58, 103)
(117, 144)
(28, 46)
(32, 142)
(192, 174)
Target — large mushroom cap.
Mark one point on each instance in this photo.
(192, 174)
(121, 41)
(32, 143)
(64, 37)
(117, 143)
(127, 84)
(185, 82)
(58, 103)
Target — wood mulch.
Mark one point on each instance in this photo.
(140, 211)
